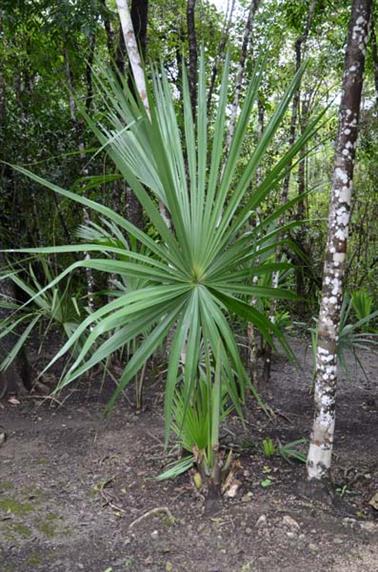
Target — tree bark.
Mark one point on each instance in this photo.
(137, 69)
(220, 54)
(192, 42)
(78, 127)
(132, 51)
(241, 68)
(321, 443)
(300, 45)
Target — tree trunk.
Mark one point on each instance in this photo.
(220, 54)
(78, 127)
(132, 51)
(240, 75)
(320, 451)
(137, 69)
(301, 212)
(192, 41)
(300, 45)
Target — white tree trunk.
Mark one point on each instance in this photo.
(320, 451)
(132, 51)
(138, 72)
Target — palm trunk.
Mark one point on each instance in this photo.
(321, 444)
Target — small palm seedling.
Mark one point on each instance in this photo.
(362, 304)
(199, 269)
(288, 451)
(196, 422)
(293, 451)
(268, 447)
(49, 307)
(353, 337)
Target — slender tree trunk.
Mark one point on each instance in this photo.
(16, 378)
(132, 51)
(241, 68)
(300, 46)
(192, 42)
(78, 127)
(139, 16)
(320, 451)
(221, 51)
(301, 212)
(137, 69)
(251, 330)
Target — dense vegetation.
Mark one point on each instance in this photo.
(191, 221)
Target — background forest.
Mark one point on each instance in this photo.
(175, 192)
(48, 57)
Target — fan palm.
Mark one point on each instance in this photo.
(198, 272)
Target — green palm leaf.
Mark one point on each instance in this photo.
(197, 274)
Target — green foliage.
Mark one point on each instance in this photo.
(52, 306)
(289, 451)
(268, 447)
(362, 304)
(197, 272)
(196, 422)
(292, 450)
(353, 336)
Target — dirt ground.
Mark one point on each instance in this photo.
(78, 492)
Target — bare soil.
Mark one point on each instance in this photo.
(77, 492)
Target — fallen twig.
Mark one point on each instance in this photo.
(151, 512)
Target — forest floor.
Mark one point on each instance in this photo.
(73, 486)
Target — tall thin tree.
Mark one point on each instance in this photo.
(192, 45)
(321, 444)
(137, 68)
(253, 7)
(299, 48)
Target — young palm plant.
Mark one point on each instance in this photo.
(196, 422)
(50, 307)
(198, 272)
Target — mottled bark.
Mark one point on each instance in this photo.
(241, 68)
(139, 16)
(192, 44)
(251, 330)
(321, 444)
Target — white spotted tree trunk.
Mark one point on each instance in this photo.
(320, 451)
